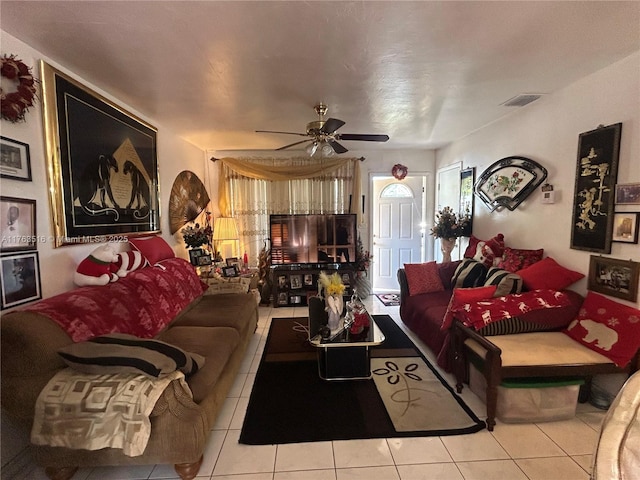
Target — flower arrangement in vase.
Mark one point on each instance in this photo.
(448, 228)
(333, 291)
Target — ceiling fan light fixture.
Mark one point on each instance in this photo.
(326, 150)
(311, 148)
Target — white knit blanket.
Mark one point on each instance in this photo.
(88, 411)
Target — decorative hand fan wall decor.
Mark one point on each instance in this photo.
(509, 181)
(188, 199)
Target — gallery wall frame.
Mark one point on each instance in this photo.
(625, 227)
(102, 164)
(628, 194)
(614, 277)
(596, 175)
(19, 279)
(15, 160)
(18, 221)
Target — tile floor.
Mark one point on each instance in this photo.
(545, 451)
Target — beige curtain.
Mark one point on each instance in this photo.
(251, 189)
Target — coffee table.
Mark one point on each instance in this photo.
(347, 356)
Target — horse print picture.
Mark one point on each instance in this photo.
(107, 160)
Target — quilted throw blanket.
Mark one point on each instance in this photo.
(481, 313)
(87, 411)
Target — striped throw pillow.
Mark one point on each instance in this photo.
(469, 273)
(505, 282)
(118, 352)
(508, 326)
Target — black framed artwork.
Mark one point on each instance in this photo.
(467, 202)
(15, 160)
(102, 164)
(19, 279)
(594, 194)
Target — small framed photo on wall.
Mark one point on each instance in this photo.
(18, 221)
(625, 227)
(15, 162)
(628, 194)
(19, 279)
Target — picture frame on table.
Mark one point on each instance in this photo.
(102, 164)
(15, 160)
(614, 277)
(19, 279)
(308, 279)
(18, 221)
(234, 262)
(625, 227)
(194, 254)
(204, 260)
(296, 281)
(229, 271)
(596, 176)
(628, 194)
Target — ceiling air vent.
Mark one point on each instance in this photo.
(522, 100)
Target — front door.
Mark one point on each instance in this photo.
(397, 228)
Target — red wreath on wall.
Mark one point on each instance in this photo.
(399, 171)
(15, 104)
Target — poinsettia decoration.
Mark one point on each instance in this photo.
(16, 103)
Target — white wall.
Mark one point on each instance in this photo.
(57, 265)
(547, 131)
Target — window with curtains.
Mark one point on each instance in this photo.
(255, 188)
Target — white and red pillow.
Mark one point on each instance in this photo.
(607, 327)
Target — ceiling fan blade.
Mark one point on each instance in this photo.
(331, 125)
(363, 137)
(292, 144)
(286, 133)
(337, 147)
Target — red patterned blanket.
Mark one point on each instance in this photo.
(481, 313)
(142, 303)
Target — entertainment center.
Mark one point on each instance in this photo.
(302, 246)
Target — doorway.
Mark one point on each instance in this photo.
(398, 228)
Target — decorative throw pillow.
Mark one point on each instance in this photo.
(504, 281)
(118, 352)
(154, 249)
(423, 278)
(484, 254)
(607, 327)
(469, 274)
(129, 262)
(514, 259)
(548, 274)
(496, 244)
(463, 296)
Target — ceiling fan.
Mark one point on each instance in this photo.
(323, 135)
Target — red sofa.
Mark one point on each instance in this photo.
(424, 313)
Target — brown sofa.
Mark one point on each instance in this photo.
(217, 327)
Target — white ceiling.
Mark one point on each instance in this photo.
(425, 73)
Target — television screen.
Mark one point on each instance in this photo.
(313, 238)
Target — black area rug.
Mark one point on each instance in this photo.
(290, 404)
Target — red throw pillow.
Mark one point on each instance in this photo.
(514, 259)
(462, 296)
(154, 249)
(423, 278)
(548, 274)
(496, 244)
(607, 327)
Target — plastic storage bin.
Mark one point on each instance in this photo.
(531, 399)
